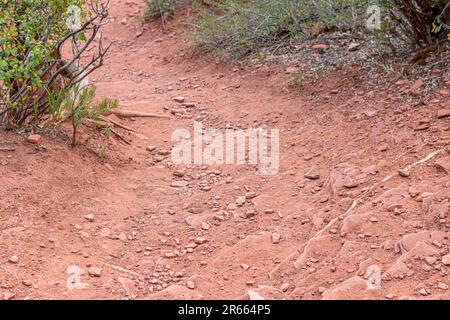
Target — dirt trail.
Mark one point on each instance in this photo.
(63, 211)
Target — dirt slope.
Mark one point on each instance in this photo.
(62, 210)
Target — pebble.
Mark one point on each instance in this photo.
(179, 184)
(13, 259)
(34, 139)
(312, 173)
(190, 284)
(443, 113)
(404, 173)
(353, 46)
(95, 271)
(179, 99)
(446, 260)
(285, 287)
(8, 295)
(90, 217)
(200, 240)
(276, 238)
(442, 286)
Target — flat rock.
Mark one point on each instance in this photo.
(179, 184)
(443, 113)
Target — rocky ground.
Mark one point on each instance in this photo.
(359, 209)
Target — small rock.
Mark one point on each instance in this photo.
(444, 164)
(95, 271)
(27, 283)
(245, 266)
(404, 173)
(240, 201)
(292, 70)
(179, 173)
(34, 139)
(276, 238)
(446, 260)
(354, 46)
(417, 85)
(312, 173)
(190, 284)
(424, 292)
(179, 184)
(200, 240)
(151, 148)
(443, 113)
(320, 47)
(285, 287)
(430, 260)
(179, 99)
(8, 295)
(90, 217)
(249, 213)
(13, 259)
(442, 286)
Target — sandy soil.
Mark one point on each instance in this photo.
(354, 229)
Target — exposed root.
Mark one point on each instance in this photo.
(117, 124)
(123, 270)
(137, 114)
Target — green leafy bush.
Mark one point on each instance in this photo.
(32, 66)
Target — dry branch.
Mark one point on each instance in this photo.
(137, 114)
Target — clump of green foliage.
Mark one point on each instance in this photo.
(241, 27)
(163, 9)
(33, 70)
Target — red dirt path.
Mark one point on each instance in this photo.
(148, 237)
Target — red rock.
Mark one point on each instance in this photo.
(8, 295)
(34, 139)
(292, 70)
(443, 113)
(353, 46)
(444, 164)
(128, 285)
(417, 85)
(353, 288)
(320, 47)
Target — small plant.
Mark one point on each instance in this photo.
(160, 9)
(296, 81)
(81, 107)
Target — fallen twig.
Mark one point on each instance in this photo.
(137, 114)
(118, 135)
(117, 124)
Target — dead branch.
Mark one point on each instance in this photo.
(117, 124)
(137, 114)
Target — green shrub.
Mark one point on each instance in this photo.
(163, 9)
(32, 67)
(240, 26)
